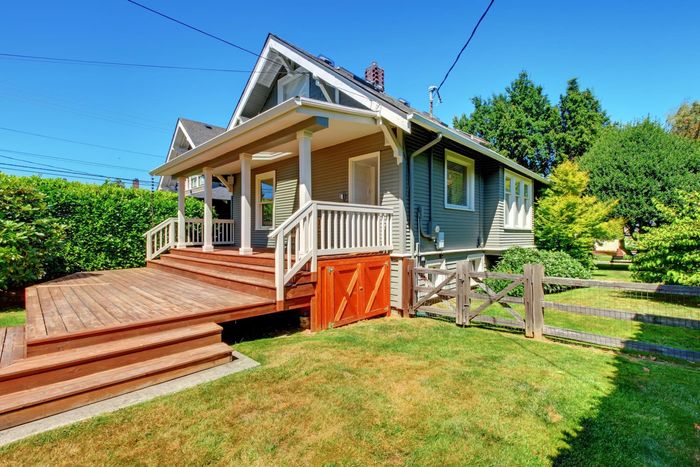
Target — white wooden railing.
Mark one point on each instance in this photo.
(164, 236)
(322, 228)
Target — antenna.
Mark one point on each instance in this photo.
(433, 90)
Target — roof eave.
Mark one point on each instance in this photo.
(461, 139)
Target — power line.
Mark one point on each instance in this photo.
(80, 142)
(52, 173)
(68, 159)
(189, 26)
(53, 168)
(77, 61)
(465, 44)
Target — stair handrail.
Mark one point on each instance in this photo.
(160, 238)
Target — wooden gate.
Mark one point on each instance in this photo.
(350, 290)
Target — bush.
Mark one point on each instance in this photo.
(556, 264)
(28, 233)
(671, 253)
(103, 226)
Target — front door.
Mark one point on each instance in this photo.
(364, 179)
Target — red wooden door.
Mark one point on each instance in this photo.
(351, 290)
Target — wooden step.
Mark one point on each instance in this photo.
(12, 345)
(254, 286)
(243, 269)
(260, 259)
(68, 364)
(24, 406)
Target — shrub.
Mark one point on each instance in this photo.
(556, 264)
(670, 253)
(28, 233)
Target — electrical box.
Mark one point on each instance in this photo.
(440, 240)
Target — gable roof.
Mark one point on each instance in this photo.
(200, 132)
(397, 111)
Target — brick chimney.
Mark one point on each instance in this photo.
(135, 184)
(375, 76)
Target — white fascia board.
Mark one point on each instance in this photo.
(341, 84)
(252, 81)
(461, 139)
(181, 127)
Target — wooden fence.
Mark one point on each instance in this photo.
(464, 295)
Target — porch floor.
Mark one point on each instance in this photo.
(92, 300)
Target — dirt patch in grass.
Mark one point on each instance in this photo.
(396, 391)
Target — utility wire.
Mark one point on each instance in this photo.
(465, 44)
(76, 61)
(53, 168)
(53, 173)
(62, 169)
(68, 159)
(80, 142)
(189, 26)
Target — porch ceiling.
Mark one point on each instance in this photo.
(271, 136)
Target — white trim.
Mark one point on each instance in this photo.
(375, 154)
(468, 163)
(258, 204)
(288, 78)
(523, 221)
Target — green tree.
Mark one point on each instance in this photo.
(639, 163)
(566, 219)
(520, 123)
(671, 253)
(685, 121)
(28, 233)
(581, 119)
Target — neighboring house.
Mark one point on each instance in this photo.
(306, 132)
(188, 135)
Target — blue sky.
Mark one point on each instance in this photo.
(640, 58)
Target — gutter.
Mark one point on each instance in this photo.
(455, 136)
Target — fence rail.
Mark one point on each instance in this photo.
(464, 295)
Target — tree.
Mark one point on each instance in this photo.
(671, 253)
(581, 119)
(639, 163)
(566, 219)
(686, 120)
(521, 124)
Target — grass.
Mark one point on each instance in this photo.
(399, 391)
(11, 316)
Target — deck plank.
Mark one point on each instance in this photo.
(68, 315)
(36, 327)
(52, 319)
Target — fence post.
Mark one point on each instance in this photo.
(463, 286)
(407, 299)
(534, 297)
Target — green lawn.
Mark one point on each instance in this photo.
(400, 391)
(11, 316)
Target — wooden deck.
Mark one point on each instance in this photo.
(94, 300)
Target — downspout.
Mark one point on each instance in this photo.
(410, 186)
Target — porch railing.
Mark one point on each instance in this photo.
(164, 236)
(322, 228)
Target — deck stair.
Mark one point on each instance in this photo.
(42, 385)
(252, 274)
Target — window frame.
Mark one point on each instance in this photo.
(286, 80)
(521, 207)
(469, 164)
(258, 199)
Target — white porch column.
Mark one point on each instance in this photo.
(208, 219)
(304, 138)
(181, 212)
(246, 227)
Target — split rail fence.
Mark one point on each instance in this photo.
(464, 295)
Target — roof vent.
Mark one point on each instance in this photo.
(209, 127)
(374, 75)
(326, 60)
(404, 102)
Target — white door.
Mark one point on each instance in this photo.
(364, 179)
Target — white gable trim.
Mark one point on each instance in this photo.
(342, 84)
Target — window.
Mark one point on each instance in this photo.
(194, 182)
(518, 202)
(265, 201)
(459, 181)
(292, 85)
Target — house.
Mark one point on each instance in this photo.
(189, 134)
(338, 189)
(309, 136)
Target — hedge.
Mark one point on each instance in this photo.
(556, 264)
(103, 225)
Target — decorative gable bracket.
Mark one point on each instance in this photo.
(393, 140)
